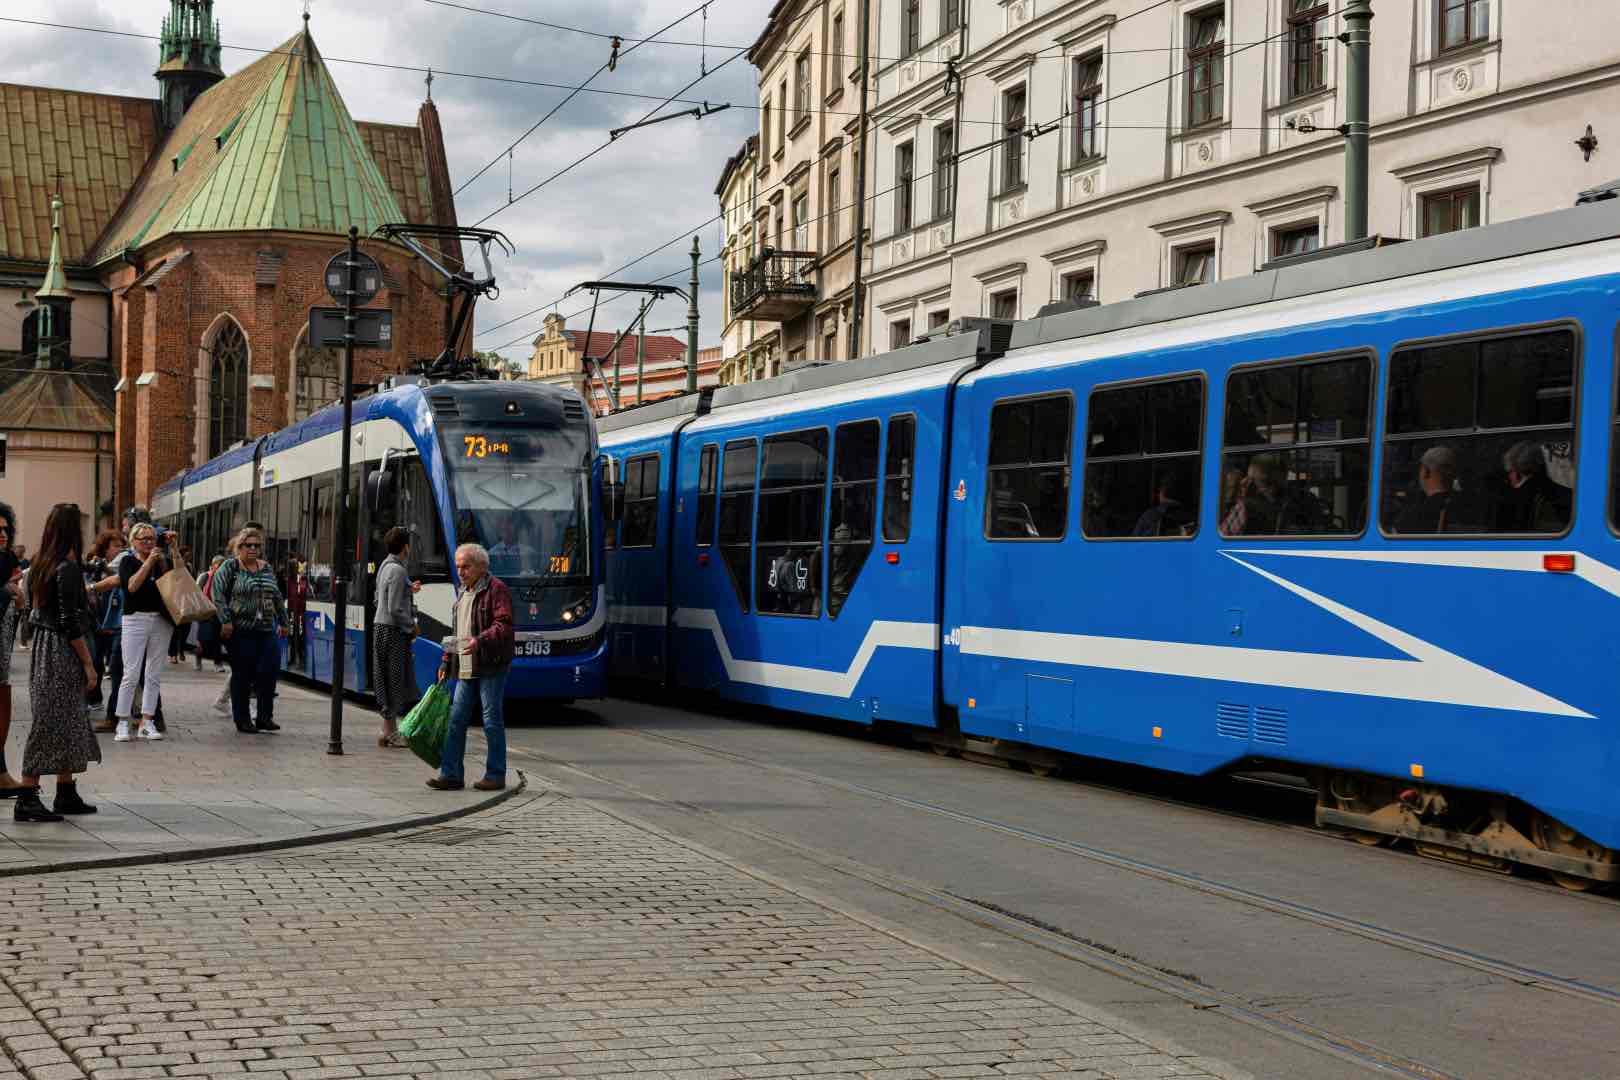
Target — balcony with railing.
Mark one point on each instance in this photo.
(776, 286)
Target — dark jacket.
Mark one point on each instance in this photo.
(492, 626)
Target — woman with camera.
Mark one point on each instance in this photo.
(145, 629)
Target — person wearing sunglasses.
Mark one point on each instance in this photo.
(252, 620)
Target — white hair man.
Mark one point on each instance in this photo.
(478, 657)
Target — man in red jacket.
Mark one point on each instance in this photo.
(478, 657)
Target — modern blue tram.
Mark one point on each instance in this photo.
(510, 465)
(1355, 518)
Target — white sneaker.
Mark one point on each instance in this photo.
(148, 732)
(222, 705)
(121, 734)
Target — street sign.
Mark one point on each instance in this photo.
(373, 327)
(367, 277)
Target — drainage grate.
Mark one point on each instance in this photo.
(450, 835)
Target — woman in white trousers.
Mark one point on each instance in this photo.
(145, 630)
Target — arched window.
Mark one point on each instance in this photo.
(61, 331)
(227, 388)
(30, 333)
(315, 378)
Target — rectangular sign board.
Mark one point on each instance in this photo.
(373, 327)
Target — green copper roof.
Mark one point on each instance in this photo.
(271, 147)
(55, 280)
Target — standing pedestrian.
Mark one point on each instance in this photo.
(297, 603)
(11, 613)
(60, 672)
(252, 617)
(25, 630)
(480, 657)
(393, 633)
(101, 581)
(208, 629)
(144, 631)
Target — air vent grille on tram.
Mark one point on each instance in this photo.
(445, 406)
(573, 409)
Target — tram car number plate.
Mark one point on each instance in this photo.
(534, 648)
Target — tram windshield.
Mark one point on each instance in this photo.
(523, 494)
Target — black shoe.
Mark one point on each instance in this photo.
(247, 729)
(266, 725)
(157, 722)
(68, 801)
(29, 808)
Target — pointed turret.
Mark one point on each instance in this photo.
(53, 298)
(188, 57)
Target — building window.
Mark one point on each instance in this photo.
(792, 492)
(1463, 22)
(227, 389)
(1206, 66)
(910, 26)
(1307, 49)
(1449, 211)
(1079, 285)
(782, 99)
(899, 333)
(801, 222)
(1143, 456)
(904, 174)
(1028, 482)
(640, 527)
(950, 16)
(1480, 436)
(1295, 240)
(1296, 448)
(835, 184)
(898, 466)
(835, 54)
(1004, 304)
(1087, 94)
(801, 78)
(765, 124)
(1012, 145)
(315, 379)
(829, 339)
(937, 319)
(944, 171)
(1195, 265)
(853, 507)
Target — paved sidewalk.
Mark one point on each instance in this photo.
(543, 938)
(205, 785)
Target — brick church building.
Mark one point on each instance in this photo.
(190, 240)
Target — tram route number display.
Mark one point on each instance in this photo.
(534, 648)
(481, 446)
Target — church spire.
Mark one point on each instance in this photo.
(188, 56)
(53, 297)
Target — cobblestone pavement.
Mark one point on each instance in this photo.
(205, 785)
(543, 938)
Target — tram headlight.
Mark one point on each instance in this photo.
(576, 610)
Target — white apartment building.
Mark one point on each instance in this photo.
(1129, 146)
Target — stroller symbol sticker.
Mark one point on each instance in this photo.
(960, 495)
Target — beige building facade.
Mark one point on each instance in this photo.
(1107, 147)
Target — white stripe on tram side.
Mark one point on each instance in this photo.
(809, 680)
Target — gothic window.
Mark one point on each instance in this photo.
(315, 379)
(227, 388)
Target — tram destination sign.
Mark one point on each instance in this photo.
(373, 327)
(367, 277)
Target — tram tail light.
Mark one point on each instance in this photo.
(892, 558)
(1558, 564)
(703, 558)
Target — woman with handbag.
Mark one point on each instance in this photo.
(60, 672)
(252, 620)
(144, 630)
(393, 632)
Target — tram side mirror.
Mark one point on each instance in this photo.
(612, 490)
(380, 490)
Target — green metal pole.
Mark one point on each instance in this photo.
(1358, 38)
(692, 325)
(641, 348)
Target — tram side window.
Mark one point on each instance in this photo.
(419, 512)
(1297, 454)
(1029, 469)
(1143, 458)
(792, 490)
(737, 513)
(322, 527)
(1480, 437)
(706, 495)
(640, 527)
(899, 469)
(854, 506)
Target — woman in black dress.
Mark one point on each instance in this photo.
(61, 671)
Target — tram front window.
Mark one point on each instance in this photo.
(523, 495)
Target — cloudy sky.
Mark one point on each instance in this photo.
(650, 186)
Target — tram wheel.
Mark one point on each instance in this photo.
(1361, 795)
(1553, 835)
(945, 751)
(1044, 769)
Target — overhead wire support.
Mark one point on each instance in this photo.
(698, 113)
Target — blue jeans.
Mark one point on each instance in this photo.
(486, 693)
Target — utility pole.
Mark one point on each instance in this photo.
(341, 539)
(641, 348)
(692, 324)
(856, 300)
(1357, 38)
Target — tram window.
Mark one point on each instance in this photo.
(737, 513)
(792, 491)
(1143, 458)
(854, 503)
(1297, 456)
(419, 512)
(899, 470)
(1480, 437)
(706, 495)
(322, 526)
(1029, 469)
(640, 528)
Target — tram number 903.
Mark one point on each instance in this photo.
(534, 648)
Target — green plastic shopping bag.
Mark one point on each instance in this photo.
(425, 727)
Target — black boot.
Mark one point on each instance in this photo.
(266, 725)
(68, 801)
(29, 808)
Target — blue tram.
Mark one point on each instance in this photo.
(511, 465)
(1352, 518)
